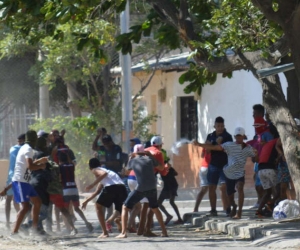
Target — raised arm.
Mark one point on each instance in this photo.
(208, 146)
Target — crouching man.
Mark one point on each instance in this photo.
(143, 164)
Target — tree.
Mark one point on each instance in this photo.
(62, 60)
(255, 40)
(192, 22)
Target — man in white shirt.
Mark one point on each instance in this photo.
(24, 193)
(113, 192)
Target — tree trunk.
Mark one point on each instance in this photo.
(293, 90)
(73, 100)
(287, 16)
(276, 105)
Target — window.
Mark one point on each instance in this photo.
(188, 118)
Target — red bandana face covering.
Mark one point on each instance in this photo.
(260, 125)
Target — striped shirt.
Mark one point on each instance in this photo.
(237, 157)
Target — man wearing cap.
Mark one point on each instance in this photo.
(234, 171)
(23, 192)
(143, 164)
(155, 150)
(13, 152)
(134, 141)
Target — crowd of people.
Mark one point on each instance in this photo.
(224, 161)
(42, 177)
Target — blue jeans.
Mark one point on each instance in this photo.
(215, 175)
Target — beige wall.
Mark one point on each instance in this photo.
(167, 124)
(188, 161)
(3, 172)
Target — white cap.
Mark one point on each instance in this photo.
(156, 140)
(40, 133)
(239, 131)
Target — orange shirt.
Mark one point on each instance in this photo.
(157, 154)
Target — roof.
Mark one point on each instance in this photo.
(174, 62)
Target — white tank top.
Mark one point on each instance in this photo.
(111, 179)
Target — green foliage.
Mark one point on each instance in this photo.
(35, 20)
(165, 34)
(68, 60)
(197, 78)
(142, 121)
(239, 26)
(79, 136)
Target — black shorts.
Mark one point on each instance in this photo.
(41, 189)
(114, 194)
(230, 184)
(135, 196)
(167, 193)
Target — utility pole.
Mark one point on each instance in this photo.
(126, 83)
(44, 111)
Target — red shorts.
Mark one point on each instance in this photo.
(57, 200)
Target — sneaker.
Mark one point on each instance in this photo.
(41, 233)
(213, 213)
(15, 236)
(90, 227)
(24, 229)
(34, 232)
(108, 227)
(73, 232)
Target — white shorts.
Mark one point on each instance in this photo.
(203, 176)
(132, 184)
(268, 178)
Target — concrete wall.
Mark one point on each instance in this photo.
(233, 100)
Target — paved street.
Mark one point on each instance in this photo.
(180, 237)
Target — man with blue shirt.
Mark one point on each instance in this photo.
(215, 174)
(13, 152)
(234, 170)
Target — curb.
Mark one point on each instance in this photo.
(249, 228)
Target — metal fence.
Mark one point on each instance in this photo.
(14, 124)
